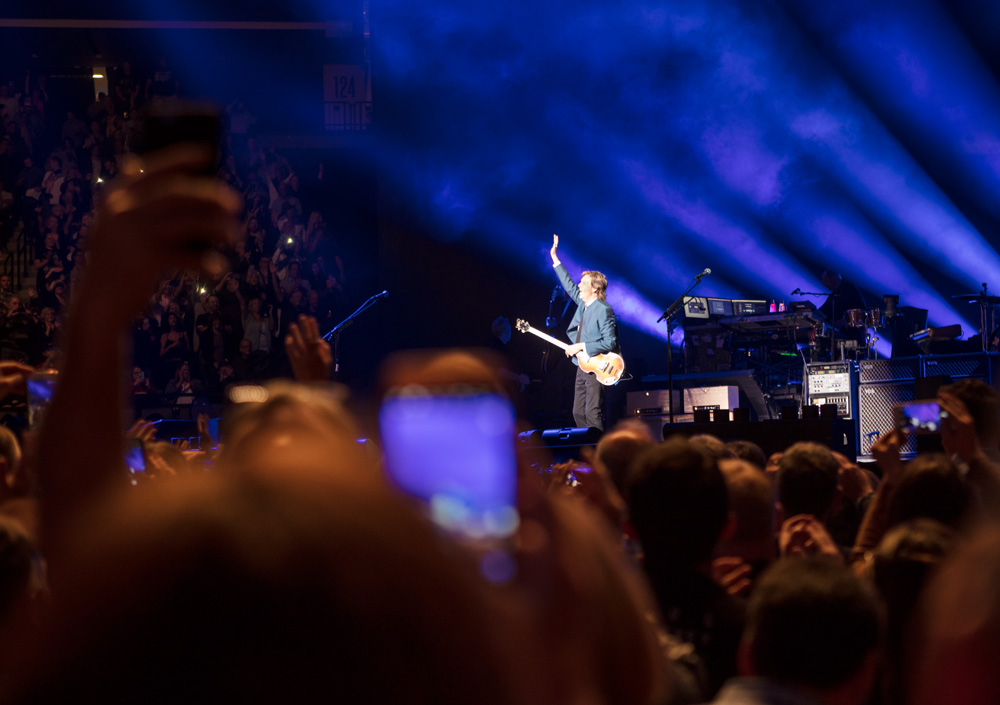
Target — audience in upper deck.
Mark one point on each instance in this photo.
(51, 208)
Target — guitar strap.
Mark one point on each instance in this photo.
(579, 326)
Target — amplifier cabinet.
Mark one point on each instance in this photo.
(651, 402)
(980, 365)
(727, 397)
(899, 369)
(876, 402)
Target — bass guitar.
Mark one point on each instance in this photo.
(607, 367)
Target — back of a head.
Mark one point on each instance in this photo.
(751, 501)
(619, 447)
(713, 445)
(956, 645)
(905, 559)
(811, 622)
(677, 502)
(748, 451)
(983, 404)
(932, 487)
(807, 480)
(260, 588)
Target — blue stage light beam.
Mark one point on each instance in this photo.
(741, 246)
(919, 70)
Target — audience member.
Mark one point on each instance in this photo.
(678, 503)
(812, 636)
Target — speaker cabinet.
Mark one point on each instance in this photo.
(876, 403)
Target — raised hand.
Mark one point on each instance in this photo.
(309, 354)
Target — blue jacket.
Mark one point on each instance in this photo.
(600, 332)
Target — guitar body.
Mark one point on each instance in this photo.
(607, 367)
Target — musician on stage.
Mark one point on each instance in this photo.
(844, 297)
(593, 331)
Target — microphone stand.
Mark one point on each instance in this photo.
(335, 331)
(833, 327)
(668, 315)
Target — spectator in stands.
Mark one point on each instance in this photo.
(163, 83)
(293, 306)
(231, 307)
(127, 87)
(74, 130)
(16, 331)
(9, 101)
(140, 382)
(214, 346)
(175, 345)
(257, 327)
(52, 180)
(333, 296)
(250, 365)
(6, 292)
(678, 504)
(203, 323)
(45, 338)
(813, 634)
(183, 383)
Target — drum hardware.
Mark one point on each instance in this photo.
(987, 316)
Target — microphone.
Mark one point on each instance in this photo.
(703, 274)
(797, 291)
(384, 293)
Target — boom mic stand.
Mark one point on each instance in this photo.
(335, 331)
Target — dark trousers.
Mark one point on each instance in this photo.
(588, 401)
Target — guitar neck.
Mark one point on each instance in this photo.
(546, 336)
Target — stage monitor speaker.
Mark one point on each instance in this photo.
(773, 436)
(563, 443)
(876, 402)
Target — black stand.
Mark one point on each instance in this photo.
(335, 331)
(833, 328)
(668, 316)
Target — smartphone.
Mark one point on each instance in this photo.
(457, 454)
(41, 387)
(572, 478)
(135, 456)
(919, 417)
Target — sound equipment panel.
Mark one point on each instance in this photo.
(834, 383)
